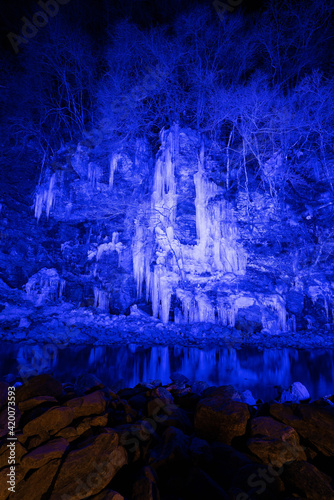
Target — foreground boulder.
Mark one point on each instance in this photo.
(90, 404)
(49, 423)
(19, 452)
(311, 422)
(39, 482)
(29, 404)
(41, 385)
(87, 382)
(306, 480)
(175, 444)
(145, 486)
(41, 455)
(108, 494)
(273, 442)
(88, 469)
(257, 481)
(218, 417)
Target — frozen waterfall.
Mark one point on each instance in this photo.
(164, 264)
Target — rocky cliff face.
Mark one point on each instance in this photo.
(116, 225)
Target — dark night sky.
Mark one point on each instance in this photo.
(96, 15)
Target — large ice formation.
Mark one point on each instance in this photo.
(171, 269)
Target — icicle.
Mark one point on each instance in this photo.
(217, 249)
(206, 311)
(165, 294)
(45, 198)
(326, 306)
(216, 229)
(226, 311)
(101, 299)
(112, 168)
(113, 245)
(62, 285)
(51, 195)
(139, 257)
(291, 324)
(39, 203)
(93, 174)
(277, 303)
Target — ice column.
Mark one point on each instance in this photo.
(216, 230)
(101, 299)
(112, 168)
(159, 229)
(45, 198)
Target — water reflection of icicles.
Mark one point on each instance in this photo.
(95, 355)
(33, 360)
(121, 366)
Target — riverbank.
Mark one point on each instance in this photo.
(182, 441)
(86, 326)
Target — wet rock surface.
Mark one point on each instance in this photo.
(173, 443)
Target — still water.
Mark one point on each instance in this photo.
(124, 366)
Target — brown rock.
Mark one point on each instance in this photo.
(108, 495)
(43, 454)
(135, 438)
(273, 442)
(4, 453)
(41, 385)
(4, 477)
(223, 462)
(174, 447)
(69, 433)
(50, 422)
(227, 392)
(311, 422)
(36, 401)
(87, 383)
(257, 481)
(99, 420)
(91, 404)
(88, 469)
(34, 441)
(168, 414)
(113, 395)
(38, 483)
(83, 426)
(163, 394)
(219, 417)
(305, 479)
(145, 486)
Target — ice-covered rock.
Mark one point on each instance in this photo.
(24, 323)
(296, 392)
(247, 397)
(46, 285)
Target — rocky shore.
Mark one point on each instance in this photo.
(64, 325)
(172, 442)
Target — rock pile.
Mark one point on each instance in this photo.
(173, 442)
